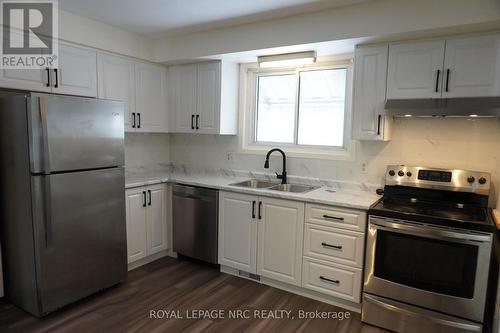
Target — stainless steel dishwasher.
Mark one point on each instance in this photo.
(195, 222)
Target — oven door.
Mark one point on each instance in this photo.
(438, 268)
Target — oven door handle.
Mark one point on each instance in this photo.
(434, 233)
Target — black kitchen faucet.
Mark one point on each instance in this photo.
(266, 164)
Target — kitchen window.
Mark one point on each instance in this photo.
(304, 110)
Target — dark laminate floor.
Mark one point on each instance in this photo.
(181, 285)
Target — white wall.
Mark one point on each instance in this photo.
(458, 143)
(376, 18)
(146, 149)
(88, 32)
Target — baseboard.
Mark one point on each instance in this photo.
(351, 306)
(147, 259)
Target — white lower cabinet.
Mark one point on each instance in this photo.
(238, 231)
(279, 246)
(316, 247)
(136, 224)
(332, 279)
(334, 240)
(261, 236)
(327, 243)
(146, 213)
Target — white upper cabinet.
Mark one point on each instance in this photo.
(415, 70)
(457, 67)
(151, 98)
(472, 67)
(204, 98)
(208, 97)
(26, 79)
(77, 72)
(116, 80)
(370, 74)
(182, 97)
(141, 86)
(76, 75)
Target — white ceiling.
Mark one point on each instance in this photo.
(160, 18)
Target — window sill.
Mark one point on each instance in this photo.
(339, 154)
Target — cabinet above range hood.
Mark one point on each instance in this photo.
(472, 107)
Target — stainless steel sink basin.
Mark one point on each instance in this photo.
(263, 184)
(294, 188)
(254, 183)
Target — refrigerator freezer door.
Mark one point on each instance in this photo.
(74, 133)
(80, 234)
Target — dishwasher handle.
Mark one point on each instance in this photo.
(195, 193)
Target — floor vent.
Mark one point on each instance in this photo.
(249, 275)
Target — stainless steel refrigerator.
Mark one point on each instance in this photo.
(62, 198)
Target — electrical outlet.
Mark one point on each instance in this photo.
(229, 156)
(364, 167)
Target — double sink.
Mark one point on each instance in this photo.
(262, 184)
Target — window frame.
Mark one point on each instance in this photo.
(249, 74)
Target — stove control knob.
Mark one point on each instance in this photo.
(471, 179)
(401, 173)
(482, 180)
(392, 173)
(408, 173)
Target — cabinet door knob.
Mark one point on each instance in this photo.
(253, 209)
(143, 198)
(133, 119)
(192, 121)
(197, 121)
(149, 200)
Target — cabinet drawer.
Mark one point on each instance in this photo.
(343, 246)
(332, 279)
(336, 217)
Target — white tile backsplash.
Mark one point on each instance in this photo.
(146, 149)
(448, 143)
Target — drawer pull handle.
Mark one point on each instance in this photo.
(333, 217)
(322, 278)
(338, 247)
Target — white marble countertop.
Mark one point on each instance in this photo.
(137, 179)
(336, 194)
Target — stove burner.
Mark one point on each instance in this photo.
(450, 211)
(453, 204)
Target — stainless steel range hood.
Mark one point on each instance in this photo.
(473, 107)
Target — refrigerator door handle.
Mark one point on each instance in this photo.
(43, 120)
